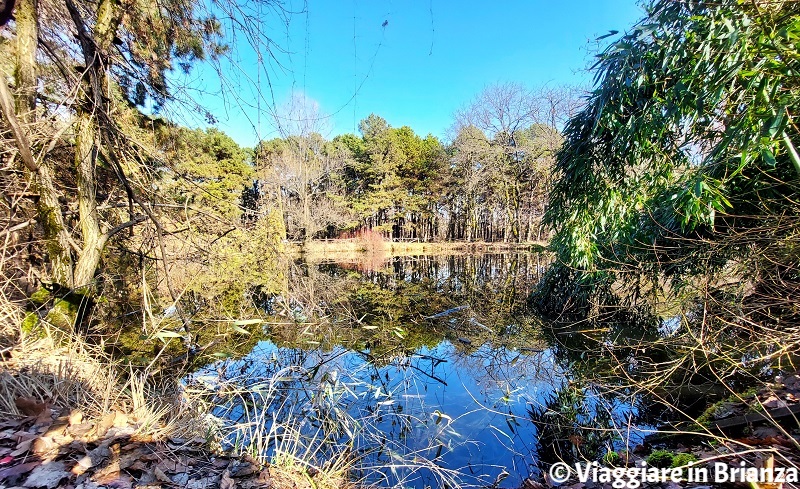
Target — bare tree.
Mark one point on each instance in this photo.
(517, 129)
(301, 168)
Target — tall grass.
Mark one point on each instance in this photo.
(322, 418)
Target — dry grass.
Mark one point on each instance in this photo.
(69, 374)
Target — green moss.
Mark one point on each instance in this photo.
(683, 459)
(660, 459)
(63, 315)
(30, 323)
(40, 296)
(715, 410)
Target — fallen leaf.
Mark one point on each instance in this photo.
(243, 470)
(181, 479)
(131, 446)
(105, 424)
(83, 465)
(122, 482)
(47, 475)
(17, 470)
(138, 465)
(773, 402)
(203, 483)
(22, 447)
(29, 406)
(44, 445)
(45, 417)
(226, 482)
(75, 417)
(107, 474)
(264, 477)
(161, 476)
(81, 429)
(120, 420)
(12, 423)
(130, 458)
(99, 454)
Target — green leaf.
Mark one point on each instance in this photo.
(247, 322)
(163, 335)
(769, 156)
(239, 329)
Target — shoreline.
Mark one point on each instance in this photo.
(355, 247)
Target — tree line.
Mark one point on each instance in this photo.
(103, 193)
(488, 184)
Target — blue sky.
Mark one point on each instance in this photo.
(430, 58)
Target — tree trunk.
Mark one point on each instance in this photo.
(85, 162)
(55, 230)
(94, 240)
(25, 69)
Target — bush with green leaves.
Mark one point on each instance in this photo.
(688, 138)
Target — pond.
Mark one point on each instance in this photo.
(419, 371)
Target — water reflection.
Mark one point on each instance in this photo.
(428, 371)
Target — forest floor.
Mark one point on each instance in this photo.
(70, 419)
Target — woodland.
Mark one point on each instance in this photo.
(666, 190)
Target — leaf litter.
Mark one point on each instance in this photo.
(40, 452)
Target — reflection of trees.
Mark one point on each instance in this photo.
(574, 423)
(398, 309)
(362, 359)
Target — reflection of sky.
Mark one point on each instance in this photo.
(472, 405)
(462, 411)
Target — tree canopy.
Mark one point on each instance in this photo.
(690, 129)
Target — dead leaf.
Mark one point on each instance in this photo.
(137, 465)
(45, 417)
(12, 423)
(226, 482)
(130, 457)
(181, 479)
(17, 470)
(773, 402)
(203, 483)
(99, 454)
(264, 477)
(131, 446)
(161, 476)
(81, 429)
(123, 481)
(44, 445)
(251, 459)
(120, 420)
(48, 475)
(22, 447)
(243, 470)
(105, 424)
(29, 406)
(75, 417)
(221, 462)
(107, 474)
(83, 465)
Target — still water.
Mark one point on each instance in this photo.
(419, 371)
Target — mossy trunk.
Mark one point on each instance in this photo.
(93, 238)
(56, 234)
(27, 43)
(55, 230)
